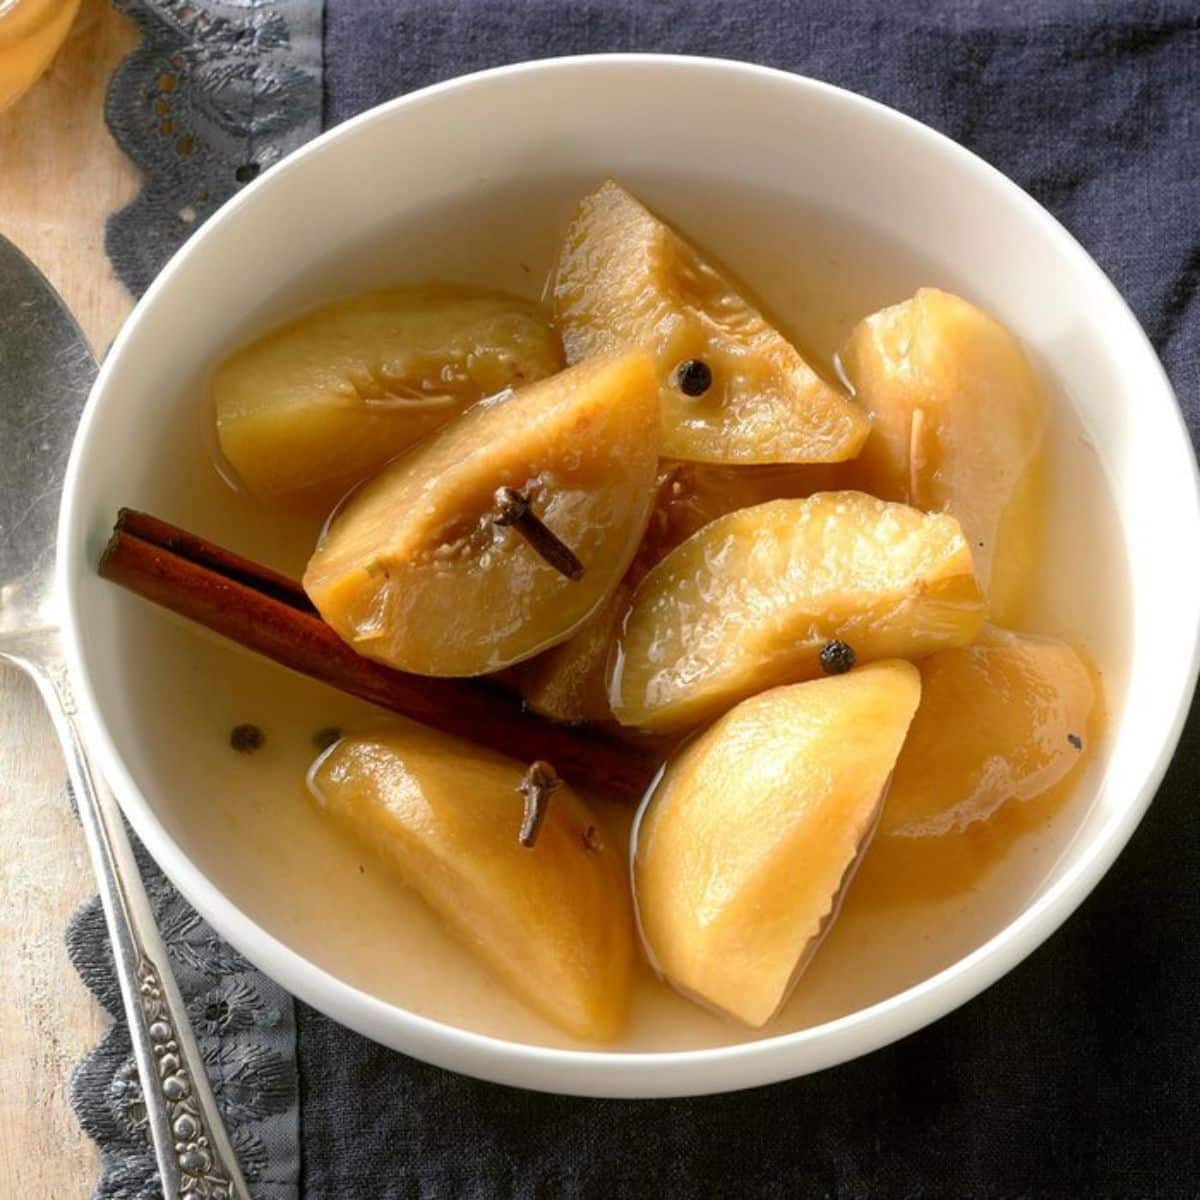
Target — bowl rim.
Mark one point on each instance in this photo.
(602, 1072)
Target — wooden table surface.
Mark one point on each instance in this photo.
(60, 177)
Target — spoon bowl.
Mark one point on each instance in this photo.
(46, 369)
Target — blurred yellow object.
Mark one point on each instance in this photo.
(31, 32)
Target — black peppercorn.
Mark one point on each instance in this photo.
(837, 658)
(324, 738)
(245, 739)
(693, 377)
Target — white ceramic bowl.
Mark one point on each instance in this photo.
(636, 116)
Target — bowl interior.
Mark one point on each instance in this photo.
(830, 207)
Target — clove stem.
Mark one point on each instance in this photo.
(537, 785)
(513, 508)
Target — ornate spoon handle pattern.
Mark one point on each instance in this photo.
(195, 1158)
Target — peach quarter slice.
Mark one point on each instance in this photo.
(415, 572)
(1003, 720)
(747, 844)
(552, 920)
(625, 278)
(313, 408)
(958, 427)
(750, 601)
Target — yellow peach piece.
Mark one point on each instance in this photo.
(625, 278)
(752, 599)
(552, 920)
(1000, 721)
(751, 837)
(311, 409)
(958, 428)
(415, 570)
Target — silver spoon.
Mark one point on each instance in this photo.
(46, 371)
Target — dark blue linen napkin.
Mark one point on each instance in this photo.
(1077, 1075)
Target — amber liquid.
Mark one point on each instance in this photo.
(31, 32)
(248, 822)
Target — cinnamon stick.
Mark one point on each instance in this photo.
(208, 554)
(269, 613)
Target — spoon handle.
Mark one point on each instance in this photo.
(195, 1158)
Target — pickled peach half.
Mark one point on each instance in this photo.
(752, 599)
(551, 920)
(568, 683)
(417, 571)
(747, 844)
(958, 428)
(625, 278)
(1003, 720)
(317, 406)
